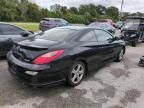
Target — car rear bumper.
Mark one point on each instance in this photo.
(46, 75)
(35, 84)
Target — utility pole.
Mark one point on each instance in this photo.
(121, 13)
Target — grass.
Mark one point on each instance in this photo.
(28, 26)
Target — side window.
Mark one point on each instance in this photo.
(7, 29)
(1, 31)
(64, 22)
(102, 35)
(90, 36)
(52, 22)
(58, 22)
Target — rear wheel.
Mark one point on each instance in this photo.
(143, 39)
(120, 55)
(76, 74)
(134, 43)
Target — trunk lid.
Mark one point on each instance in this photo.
(30, 49)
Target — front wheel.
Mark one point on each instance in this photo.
(76, 74)
(120, 55)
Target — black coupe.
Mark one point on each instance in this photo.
(63, 54)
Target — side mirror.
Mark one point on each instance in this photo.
(25, 34)
(31, 32)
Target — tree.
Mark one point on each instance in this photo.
(55, 8)
(24, 10)
(101, 9)
(113, 12)
(33, 12)
(63, 9)
(74, 10)
(44, 12)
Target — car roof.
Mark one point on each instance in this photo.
(76, 27)
(81, 28)
(12, 25)
(100, 23)
(135, 17)
(52, 19)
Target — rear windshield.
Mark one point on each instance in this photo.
(57, 34)
(101, 25)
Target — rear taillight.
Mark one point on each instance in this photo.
(48, 57)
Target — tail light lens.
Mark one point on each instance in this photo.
(48, 57)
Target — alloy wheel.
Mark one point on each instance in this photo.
(77, 73)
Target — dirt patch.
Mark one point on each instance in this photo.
(130, 96)
(119, 72)
(116, 106)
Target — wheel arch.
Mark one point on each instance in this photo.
(124, 48)
(85, 62)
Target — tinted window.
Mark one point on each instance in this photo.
(102, 35)
(57, 34)
(64, 22)
(7, 29)
(101, 25)
(90, 36)
(58, 22)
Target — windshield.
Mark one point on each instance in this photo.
(57, 34)
(101, 25)
(132, 22)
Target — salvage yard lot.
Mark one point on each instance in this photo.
(117, 85)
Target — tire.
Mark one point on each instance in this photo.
(120, 55)
(134, 43)
(76, 74)
(143, 39)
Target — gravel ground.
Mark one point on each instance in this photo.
(117, 85)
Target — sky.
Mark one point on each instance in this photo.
(129, 5)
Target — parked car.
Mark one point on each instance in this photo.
(63, 54)
(141, 62)
(48, 23)
(119, 24)
(133, 30)
(90, 21)
(108, 21)
(9, 34)
(103, 25)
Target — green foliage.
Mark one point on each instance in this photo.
(26, 11)
(113, 13)
(73, 18)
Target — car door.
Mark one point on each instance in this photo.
(9, 34)
(92, 53)
(106, 44)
